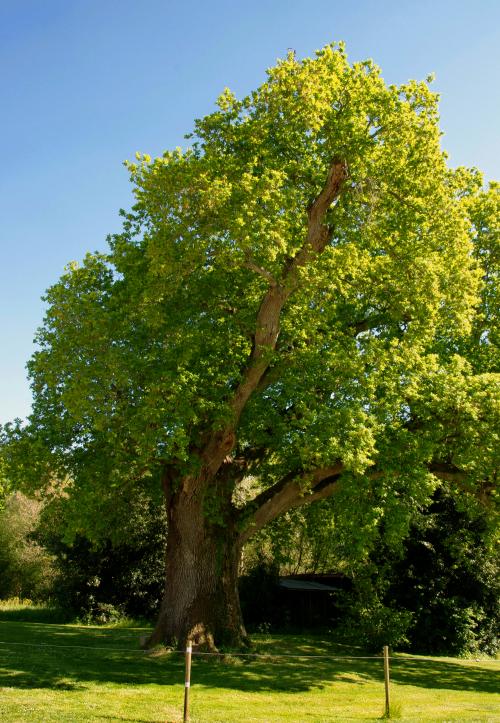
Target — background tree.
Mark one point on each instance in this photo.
(272, 327)
(436, 591)
(104, 573)
(447, 577)
(26, 568)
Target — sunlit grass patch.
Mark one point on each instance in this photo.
(26, 610)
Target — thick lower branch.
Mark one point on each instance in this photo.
(294, 490)
(446, 471)
(300, 488)
(483, 489)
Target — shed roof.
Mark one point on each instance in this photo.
(291, 584)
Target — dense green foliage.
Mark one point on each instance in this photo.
(436, 592)
(4, 483)
(106, 578)
(448, 578)
(46, 555)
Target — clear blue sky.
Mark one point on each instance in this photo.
(86, 83)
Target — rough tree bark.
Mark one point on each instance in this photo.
(201, 599)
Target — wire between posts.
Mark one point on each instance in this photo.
(193, 652)
(267, 656)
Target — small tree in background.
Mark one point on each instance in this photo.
(449, 578)
(118, 571)
(26, 568)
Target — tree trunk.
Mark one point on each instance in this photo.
(201, 600)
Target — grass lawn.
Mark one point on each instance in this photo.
(53, 672)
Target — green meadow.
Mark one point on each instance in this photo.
(68, 672)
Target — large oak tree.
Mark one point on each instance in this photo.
(284, 317)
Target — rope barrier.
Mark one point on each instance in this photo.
(181, 652)
(304, 656)
(75, 647)
(292, 655)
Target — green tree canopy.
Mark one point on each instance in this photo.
(288, 313)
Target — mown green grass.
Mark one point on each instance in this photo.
(61, 672)
(25, 611)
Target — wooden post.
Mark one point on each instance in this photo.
(386, 679)
(187, 684)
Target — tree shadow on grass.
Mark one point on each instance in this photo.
(129, 720)
(446, 674)
(43, 656)
(36, 614)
